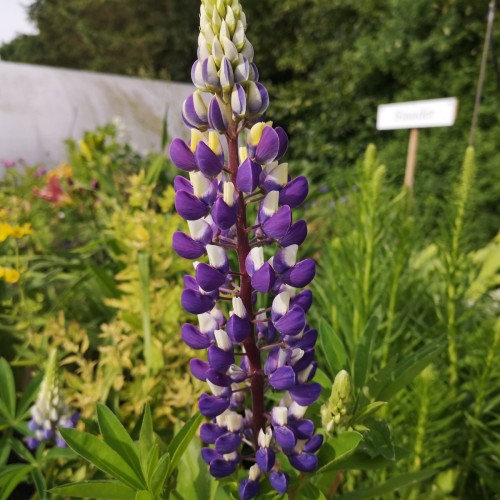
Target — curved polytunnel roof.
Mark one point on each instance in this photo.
(41, 106)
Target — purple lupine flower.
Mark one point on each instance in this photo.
(237, 196)
(50, 412)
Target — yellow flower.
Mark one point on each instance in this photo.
(6, 230)
(10, 275)
(3, 213)
(63, 171)
(20, 231)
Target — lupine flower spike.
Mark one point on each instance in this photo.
(238, 198)
(50, 413)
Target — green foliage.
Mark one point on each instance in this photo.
(139, 469)
(437, 333)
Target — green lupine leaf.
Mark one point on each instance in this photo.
(381, 437)
(21, 450)
(336, 450)
(4, 448)
(181, 441)
(118, 439)
(57, 453)
(110, 490)
(148, 450)
(144, 495)
(160, 474)
(154, 170)
(393, 484)
(333, 348)
(10, 477)
(39, 480)
(408, 369)
(362, 360)
(367, 411)
(7, 390)
(102, 456)
(28, 396)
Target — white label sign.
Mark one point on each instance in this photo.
(417, 114)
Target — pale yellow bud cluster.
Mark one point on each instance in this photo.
(335, 413)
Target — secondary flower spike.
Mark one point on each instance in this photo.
(237, 196)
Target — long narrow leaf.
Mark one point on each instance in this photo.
(110, 490)
(102, 456)
(7, 389)
(28, 396)
(182, 439)
(10, 477)
(118, 439)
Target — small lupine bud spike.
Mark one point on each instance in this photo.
(217, 115)
(242, 70)
(243, 19)
(254, 73)
(230, 20)
(221, 8)
(238, 102)
(204, 19)
(216, 20)
(182, 156)
(217, 51)
(204, 49)
(230, 50)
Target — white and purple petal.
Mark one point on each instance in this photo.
(182, 156)
(207, 161)
(301, 274)
(295, 235)
(247, 178)
(212, 406)
(306, 394)
(295, 192)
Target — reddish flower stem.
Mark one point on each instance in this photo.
(242, 249)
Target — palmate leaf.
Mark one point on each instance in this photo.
(102, 456)
(39, 480)
(10, 477)
(118, 439)
(110, 490)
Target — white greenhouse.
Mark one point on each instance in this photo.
(41, 106)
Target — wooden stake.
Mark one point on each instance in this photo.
(411, 159)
